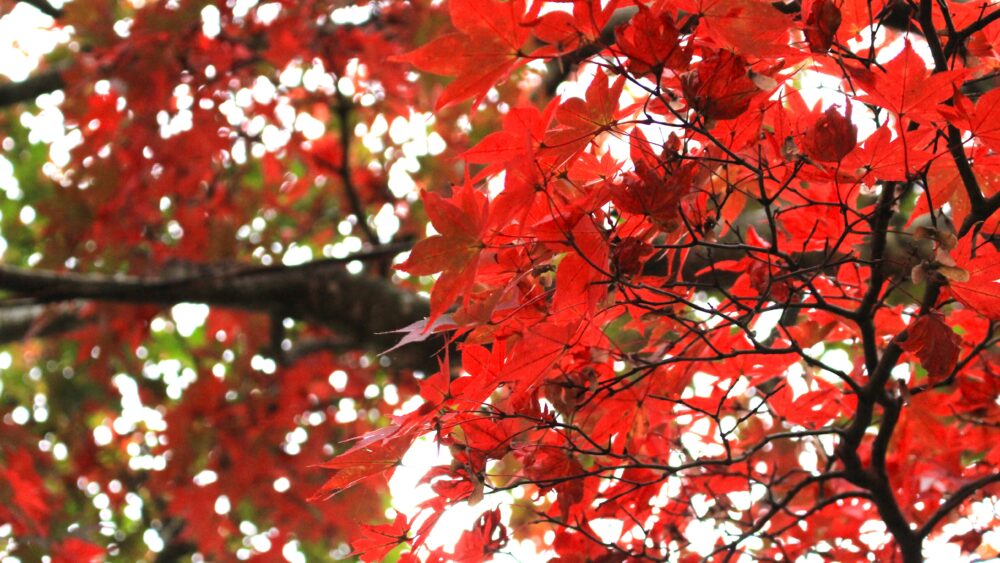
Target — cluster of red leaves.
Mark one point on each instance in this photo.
(130, 96)
(685, 295)
(609, 303)
(27, 507)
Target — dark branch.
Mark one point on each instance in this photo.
(346, 135)
(360, 308)
(981, 213)
(27, 90)
(960, 496)
(956, 42)
(45, 8)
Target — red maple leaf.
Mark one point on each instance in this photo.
(652, 42)
(486, 537)
(461, 222)
(980, 292)
(934, 343)
(581, 121)
(378, 452)
(720, 86)
(983, 119)
(831, 137)
(375, 542)
(749, 27)
(822, 25)
(656, 192)
(488, 47)
(907, 87)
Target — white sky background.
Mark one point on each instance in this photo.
(26, 35)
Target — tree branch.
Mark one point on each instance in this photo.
(30, 88)
(960, 496)
(981, 213)
(346, 135)
(980, 24)
(45, 8)
(940, 55)
(361, 308)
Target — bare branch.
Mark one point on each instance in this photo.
(346, 135)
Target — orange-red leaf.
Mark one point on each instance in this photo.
(652, 42)
(983, 119)
(375, 542)
(483, 54)
(907, 87)
(832, 137)
(461, 221)
(981, 293)
(720, 86)
(366, 459)
(822, 25)
(934, 344)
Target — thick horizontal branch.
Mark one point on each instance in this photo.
(30, 88)
(360, 308)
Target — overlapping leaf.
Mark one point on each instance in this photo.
(486, 49)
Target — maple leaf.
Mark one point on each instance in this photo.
(907, 87)
(648, 193)
(377, 453)
(518, 141)
(651, 42)
(945, 185)
(886, 157)
(748, 27)
(812, 408)
(420, 331)
(581, 120)
(373, 543)
(821, 25)
(831, 137)
(629, 254)
(487, 536)
(488, 47)
(578, 281)
(980, 290)
(720, 86)
(934, 343)
(461, 222)
(552, 465)
(983, 119)
(564, 31)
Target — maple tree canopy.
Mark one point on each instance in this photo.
(677, 280)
